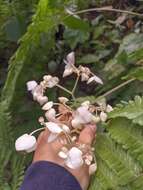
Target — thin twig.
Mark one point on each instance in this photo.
(107, 9)
(116, 88)
(64, 89)
(75, 85)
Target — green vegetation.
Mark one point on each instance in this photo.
(110, 43)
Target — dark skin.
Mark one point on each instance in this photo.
(49, 152)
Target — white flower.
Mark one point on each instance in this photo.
(47, 78)
(62, 154)
(31, 85)
(63, 100)
(71, 58)
(37, 91)
(86, 104)
(84, 77)
(103, 116)
(55, 130)
(65, 128)
(96, 79)
(53, 82)
(53, 127)
(50, 114)
(92, 168)
(42, 99)
(70, 61)
(25, 143)
(82, 116)
(74, 158)
(109, 108)
(48, 106)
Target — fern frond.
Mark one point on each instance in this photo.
(133, 110)
(124, 132)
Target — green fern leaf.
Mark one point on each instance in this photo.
(129, 135)
(133, 110)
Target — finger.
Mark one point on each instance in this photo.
(88, 134)
(59, 142)
(43, 136)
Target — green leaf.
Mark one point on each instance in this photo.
(89, 58)
(76, 23)
(133, 110)
(135, 73)
(13, 29)
(129, 136)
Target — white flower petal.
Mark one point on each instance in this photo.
(31, 85)
(103, 116)
(75, 153)
(48, 106)
(42, 99)
(76, 122)
(53, 82)
(63, 100)
(82, 112)
(67, 72)
(74, 159)
(47, 78)
(66, 128)
(96, 79)
(62, 154)
(71, 58)
(109, 108)
(74, 164)
(86, 104)
(84, 77)
(52, 137)
(25, 143)
(53, 127)
(37, 91)
(50, 114)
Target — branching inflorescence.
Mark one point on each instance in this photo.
(62, 121)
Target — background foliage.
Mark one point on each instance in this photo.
(110, 43)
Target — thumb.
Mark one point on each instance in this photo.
(88, 134)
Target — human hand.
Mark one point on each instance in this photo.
(49, 152)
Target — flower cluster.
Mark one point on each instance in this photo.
(62, 121)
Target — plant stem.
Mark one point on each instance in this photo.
(116, 88)
(64, 89)
(107, 9)
(75, 85)
(40, 129)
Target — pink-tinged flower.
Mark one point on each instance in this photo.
(42, 99)
(53, 127)
(95, 79)
(25, 143)
(70, 61)
(50, 114)
(82, 116)
(37, 91)
(74, 158)
(48, 106)
(31, 85)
